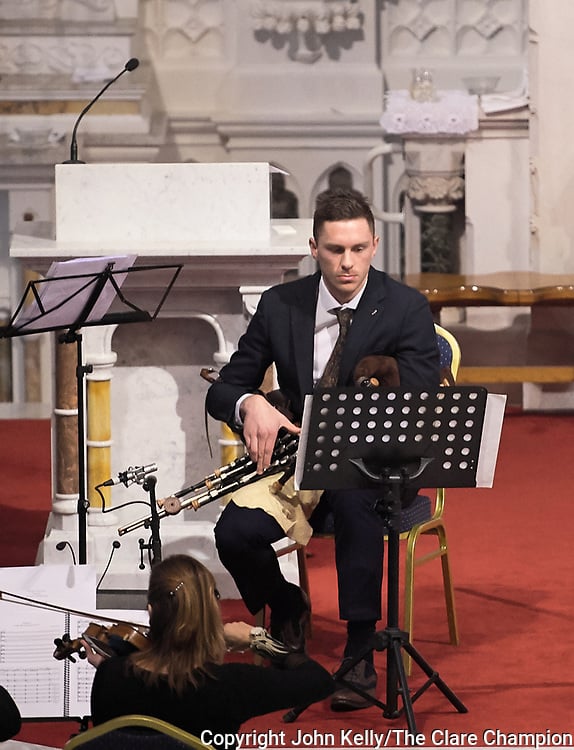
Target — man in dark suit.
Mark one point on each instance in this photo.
(295, 329)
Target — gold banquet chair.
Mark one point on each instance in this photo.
(135, 732)
(449, 350)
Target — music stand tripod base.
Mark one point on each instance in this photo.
(392, 639)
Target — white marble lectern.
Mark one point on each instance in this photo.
(145, 399)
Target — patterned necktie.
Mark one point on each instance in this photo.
(330, 375)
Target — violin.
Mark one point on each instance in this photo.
(111, 640)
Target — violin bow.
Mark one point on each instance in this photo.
(29, 602)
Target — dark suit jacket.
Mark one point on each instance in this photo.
(391, 319)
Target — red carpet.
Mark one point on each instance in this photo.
(25, 492)
(513, 569)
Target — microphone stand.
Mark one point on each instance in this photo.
(131, 64)
(154, 544)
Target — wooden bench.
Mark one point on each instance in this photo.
(520, 289)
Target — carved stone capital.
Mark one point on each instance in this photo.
(436, 174)
(306, 26)
(435, 193)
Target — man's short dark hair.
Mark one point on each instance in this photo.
(341, 205)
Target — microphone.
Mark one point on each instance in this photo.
(132, 474)
(62, 545)
(131, 64)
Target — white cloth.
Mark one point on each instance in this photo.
(453, 112)
(507, 100)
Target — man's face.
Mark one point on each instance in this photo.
(344, 251)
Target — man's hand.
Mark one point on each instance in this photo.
(261, 424)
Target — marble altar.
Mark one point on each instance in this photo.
(144, 394)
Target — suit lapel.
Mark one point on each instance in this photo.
(303, 331)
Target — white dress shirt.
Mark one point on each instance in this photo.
(327, 326)
(326, 334)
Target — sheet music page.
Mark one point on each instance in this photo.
(63, 298)
(302, 447)
(81, 674)
(28, 670)
(491, 432)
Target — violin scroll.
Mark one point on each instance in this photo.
(66, 646)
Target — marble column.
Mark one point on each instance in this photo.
(435, 172)
(551, 143)
(65, 440)
(100, 359)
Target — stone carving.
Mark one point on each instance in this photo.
(65, 10)
(439, 27)
(305, 24)
(177, 30)
(435, 193)
(52, 55)
(36, 41)
(435, 173)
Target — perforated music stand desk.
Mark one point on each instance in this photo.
(395, 439)
(78, 300)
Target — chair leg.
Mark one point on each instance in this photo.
(410, 564)
(304, 583)
(448, 588)
(260, 623)
(260, 617)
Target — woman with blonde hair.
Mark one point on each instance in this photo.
(180, 677)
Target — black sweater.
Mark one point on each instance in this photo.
(220, 704)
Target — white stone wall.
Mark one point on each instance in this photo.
(552, 146)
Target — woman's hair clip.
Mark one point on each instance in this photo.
(177, 588)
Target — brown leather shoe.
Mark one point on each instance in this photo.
(362, 675)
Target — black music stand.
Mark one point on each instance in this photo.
(74, 301)
(395, 439)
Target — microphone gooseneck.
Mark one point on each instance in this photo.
(115, 545)
(62, 546)
(131, 64)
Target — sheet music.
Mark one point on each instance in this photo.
(41, 685)
(302, 447)
(63, 298)
(81, 674)
(491, 432)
